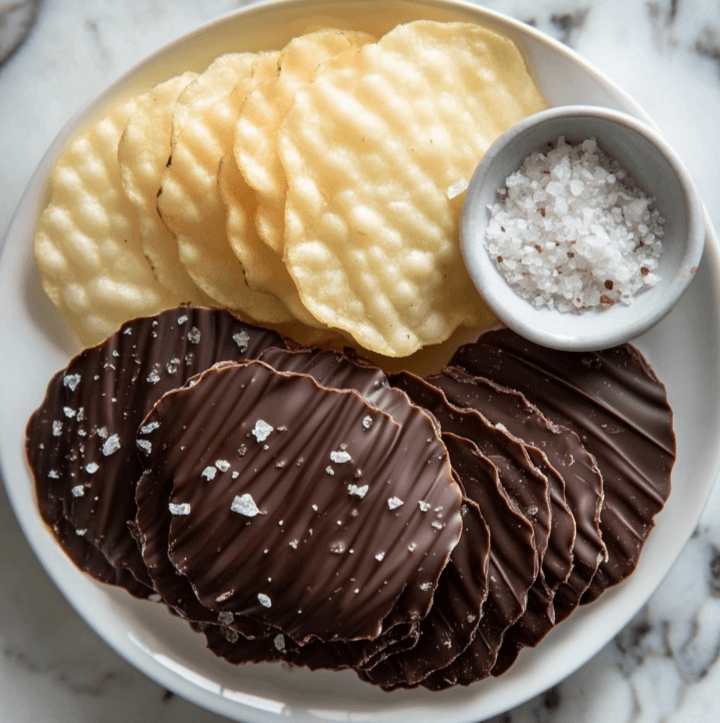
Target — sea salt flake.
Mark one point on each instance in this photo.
(182, 319)
(242, 339)
(294, 544)
(329, 470)
(78, 491)
(337, 548)
(179, 509)
(437, 525)
(209, 473)
(245, 505)
(235, 474)
(57, 426)
(224, 596)
(92, 467)
(394, 503)
(154, 376)
(69, 412)
(411, 547)
(80, 533)
(366, 422)
(144, 446)
(172, 366)
(151, 427)
(71, 381)
(358, 491)
(262, 430)
(425, 586)
(225, 618)
(232, 636)
(264, 600)
(194, 335)
(111, 445)
(279, 642)
(222, 464)
(380, 556)
(340, 457)
(52, 474)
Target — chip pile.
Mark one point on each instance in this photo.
(316, 188)
(299, 504)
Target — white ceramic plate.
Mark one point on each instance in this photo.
(684, 350)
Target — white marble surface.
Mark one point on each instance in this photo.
(665, 666)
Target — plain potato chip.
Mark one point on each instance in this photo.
(189, 201)
(143, 152)
(263, 267)
(374, 154)
(87, 245)
(263, 112)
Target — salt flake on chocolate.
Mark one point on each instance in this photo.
(111, 445)
(144, 446)
(71, 381)
(395, 502)
(92, 467)
(424, 506)
(225, 618)
(181, 509)
(242, 339)
(245, 505)
(262, 430)
(264, 600)
(366, 422)
(340, 457)
(358, 491)
(78, 491)
(194, 335)
(57, 428)
(279, 642)
(209, 473)
(149, 428)
(222, 464)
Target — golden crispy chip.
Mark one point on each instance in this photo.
(263, 112)
(87, 246)
(143, 152)
(374, 154)
(264, 268)
(189, 201)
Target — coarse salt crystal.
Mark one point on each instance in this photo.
(111, 445)
(340, 457)
(573, 231)
(394, 503)
(262, 430)
(181, 509)
(245, 505)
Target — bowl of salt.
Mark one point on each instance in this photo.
(581, 228)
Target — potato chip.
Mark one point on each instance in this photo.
(374, 154)
(264, 110)
(143, 151)
(189, 201)
(87, 245)
(263, 267)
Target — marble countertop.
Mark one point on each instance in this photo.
(665, 666)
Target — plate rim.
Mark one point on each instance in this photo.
(31, 199)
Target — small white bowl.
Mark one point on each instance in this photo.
(657, 169)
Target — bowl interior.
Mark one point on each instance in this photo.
(657, 171)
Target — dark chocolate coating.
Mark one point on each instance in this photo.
(95, 406)
(315, 546)
(523, 483)
(618, 408)
(576, 547)
(512, 566)
(455, 615)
